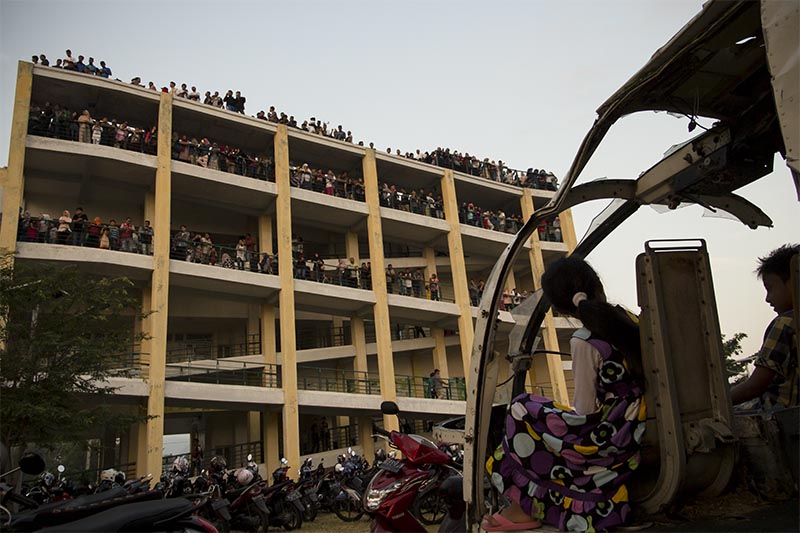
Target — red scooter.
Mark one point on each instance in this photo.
(405, 493)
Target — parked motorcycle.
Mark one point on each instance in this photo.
(307, 486)
(284, 503)
(248, 510)
(175, 483)
(406, 493)
(354, 475)
(171, 515)
(113, 509)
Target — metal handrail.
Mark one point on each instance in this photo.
(333, 380)
(420, 387)
(222, 372)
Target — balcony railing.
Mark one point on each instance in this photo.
(235, 456)
(207, 349)
(333, 380)
(222, 372)
(315, 441)
(420, 387)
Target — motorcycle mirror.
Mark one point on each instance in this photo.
(389, 408)
(249, 457)
(31, 463)
(61, 469)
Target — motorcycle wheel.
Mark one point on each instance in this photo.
(310, 513)
(430, 508)
(294, 519)
(348, 510)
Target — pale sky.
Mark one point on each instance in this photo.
(517, 81)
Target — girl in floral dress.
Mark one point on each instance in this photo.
(568, 467)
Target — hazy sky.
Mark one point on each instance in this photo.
(517, 81)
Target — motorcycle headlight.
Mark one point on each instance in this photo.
(374, 497)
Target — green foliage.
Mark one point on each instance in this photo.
(65, 334)
(736, 368)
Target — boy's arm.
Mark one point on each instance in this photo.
(754, 386)
(769, 363)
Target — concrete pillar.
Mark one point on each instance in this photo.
(383, 332)
(511, 282)
(253, 426)
(14, 180)
(337, 325)
(283, 206)
(351, 246)
(439, 348)
(568, 229)
(554, 367)
(429, 255)
(159, 293)
(265, 234)
(270, 427)
(458, 268)
(360, 365)
(253, 321)
(270, 438)
(150, 208)
(440, 352)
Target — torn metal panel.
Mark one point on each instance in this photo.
(781, 23)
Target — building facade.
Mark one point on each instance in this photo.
(255, 344)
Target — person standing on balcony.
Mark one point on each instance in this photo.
(418, 280)
(390, 274)
(197, 458)
(126, 231)
(64, 230)
(146, 238)
(79, 223)
(433, 285)
(85, 127)
(325, 434)
(180, 243)
(318, 266)
(437, 385)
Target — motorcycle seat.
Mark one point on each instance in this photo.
(273, 488)
(34, 516)
(141, 516)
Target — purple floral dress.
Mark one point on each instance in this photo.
(567, 469)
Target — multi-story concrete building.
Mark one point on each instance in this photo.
(251, 358)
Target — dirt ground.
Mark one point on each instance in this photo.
(329, 523)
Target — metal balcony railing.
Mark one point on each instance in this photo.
(222, 372)
(333, 380)
(235, 455)
(420, 387)
(198, 349)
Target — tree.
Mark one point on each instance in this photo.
(736, 368)
(65, 333)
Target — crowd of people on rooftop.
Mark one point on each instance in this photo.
(70, 63)
(235, 102)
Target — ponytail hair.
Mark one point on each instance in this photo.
(574, 288)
